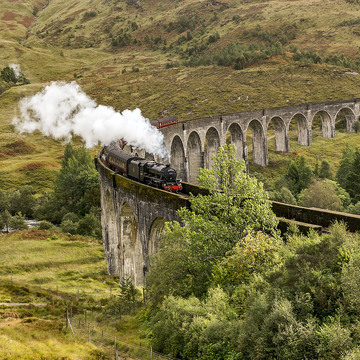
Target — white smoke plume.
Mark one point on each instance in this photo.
(63, 110)
(16, 69)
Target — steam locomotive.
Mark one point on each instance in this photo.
(147, 172)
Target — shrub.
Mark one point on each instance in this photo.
(356, 126)
(45, 225)
(334, 340)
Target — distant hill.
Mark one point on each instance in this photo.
(171, 57)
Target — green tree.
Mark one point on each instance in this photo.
(17, 222)
(6, 217)
(22, 200)
(235, 205)
(298, 175)
(321, 194)
(346, 164)
(77, 184)
(325, 170)
(284, 196)
(354, 208)
(353, 178)
(8, 75)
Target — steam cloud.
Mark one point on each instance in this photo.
(62, 110)
(16, 69)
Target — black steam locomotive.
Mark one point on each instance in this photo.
(148, 172)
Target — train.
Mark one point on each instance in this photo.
(139, 169)
(164, 122)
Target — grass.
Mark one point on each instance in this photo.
(60, 271)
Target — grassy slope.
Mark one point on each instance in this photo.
(62, 43)
(69, 264)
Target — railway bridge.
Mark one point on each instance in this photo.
(133, 214)
(192, 143)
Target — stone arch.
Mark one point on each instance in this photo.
(195, 156)
(156, 229)
(280, 135)
(259, 151)
(132, 260)
(349, 116)
(212, 143)
(110, 237)
(327, 129)
(178, 160)
(236, 137)
(302, 129)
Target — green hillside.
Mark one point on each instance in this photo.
(174, 57)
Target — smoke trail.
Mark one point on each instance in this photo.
(16, 69)
(62, 110)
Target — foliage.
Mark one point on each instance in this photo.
(354, 208)
(325, 170)
(235, 206)
(321, 194)
(9, 75)
(346, 164)
(194, 329)
(316, 58)
(284, 195)
(352, 184)
(356, 126)
(45, 225)
(126, 301)
(256, 255)
(17, 222)
(298, 175)
(77, 185)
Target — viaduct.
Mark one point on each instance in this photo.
(133, 214)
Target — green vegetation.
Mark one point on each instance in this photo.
(265, 298)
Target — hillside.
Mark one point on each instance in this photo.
(174, 57)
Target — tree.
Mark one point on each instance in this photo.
(325, 170)
(321, 194)
(235, 205)
(298, 175)
(17, 222)
(353, 178)
(346, 164)
(77, 184)
(6, 217)
(284, 196)
(22, 200)
(8, 75)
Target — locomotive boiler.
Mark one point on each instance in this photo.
(147, 172)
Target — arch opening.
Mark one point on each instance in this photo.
(212, 144)
(195, 156)
(345, 120)
(178, 161)
(131, 251)
(321, 125)
(155, 232)
(298, 130)
(277, 130)
(235, 136)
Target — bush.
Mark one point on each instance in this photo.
(334, 340)
(356, 126)
(17, 222)
(45, 225)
